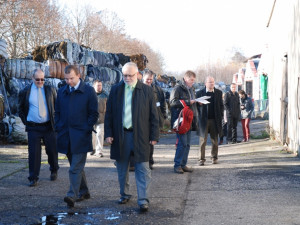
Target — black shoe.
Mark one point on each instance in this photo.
(151, 166)
(70, 201)
(144, 208)
(131, 168)
(83, 197)
(53, 175)
(33, 183)
(93, 152)
(123, 200)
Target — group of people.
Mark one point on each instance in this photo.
(76, 119)
(218, 118)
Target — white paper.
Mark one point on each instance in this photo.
(203, 99)
(176, 122)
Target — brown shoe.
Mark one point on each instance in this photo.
(178, 170)
(187, 169)
(214, 161)
(201, 162)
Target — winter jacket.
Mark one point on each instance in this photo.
(247, 103)
(160, 100)
(102, 99)
(203, 111)
(232, 104)
(181, 92)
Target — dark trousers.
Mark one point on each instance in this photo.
(232, 129)
(212, 130)
(35, 136)
(224, 130)
(78, 182)
(151, 161)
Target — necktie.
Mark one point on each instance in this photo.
(42, 107)
(72, 89)
(127, 110)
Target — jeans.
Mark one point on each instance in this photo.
(142, 172)
(99, 138)
(182, 149)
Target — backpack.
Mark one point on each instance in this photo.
(183, 124)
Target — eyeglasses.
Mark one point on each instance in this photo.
(38, 79)
(128, 76)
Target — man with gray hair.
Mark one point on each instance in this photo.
(36, 110)
(210, 117)
(130, 125)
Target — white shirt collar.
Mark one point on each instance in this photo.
(76, 86)
(210, 91)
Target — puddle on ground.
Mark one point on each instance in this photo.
(56, 219)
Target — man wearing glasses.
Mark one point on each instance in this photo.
(131, 125)
(36, 110)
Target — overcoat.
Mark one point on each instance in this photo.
(144, 120)
(203, 111)
(75, 115)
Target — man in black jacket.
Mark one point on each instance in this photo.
(183, 91)
(130, 125)
(232, 107)
(210, 117)
(160, 105)
(36, 110)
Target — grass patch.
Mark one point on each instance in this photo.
(263, 134)
(3, 161)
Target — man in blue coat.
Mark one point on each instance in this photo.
(76, 112)
(131, 125)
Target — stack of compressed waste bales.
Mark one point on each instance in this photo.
(52, 59)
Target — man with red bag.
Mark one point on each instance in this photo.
(183, 91)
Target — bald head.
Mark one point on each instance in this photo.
(210, 83)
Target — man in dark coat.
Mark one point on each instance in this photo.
(210, 117)
(159, 96)
(232, 107)
(130, 125)
(76, 112)
(36, 110)
(183, 91)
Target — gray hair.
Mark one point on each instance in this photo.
(36, 70)
(129, 64)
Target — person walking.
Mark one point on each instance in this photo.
(224, 126)
(76, 113)
(36, 110)
(183, 91)
(160, 105)
(131, 124)
(232, 106)
(210, 117)
(98, 137)
(246, 111)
